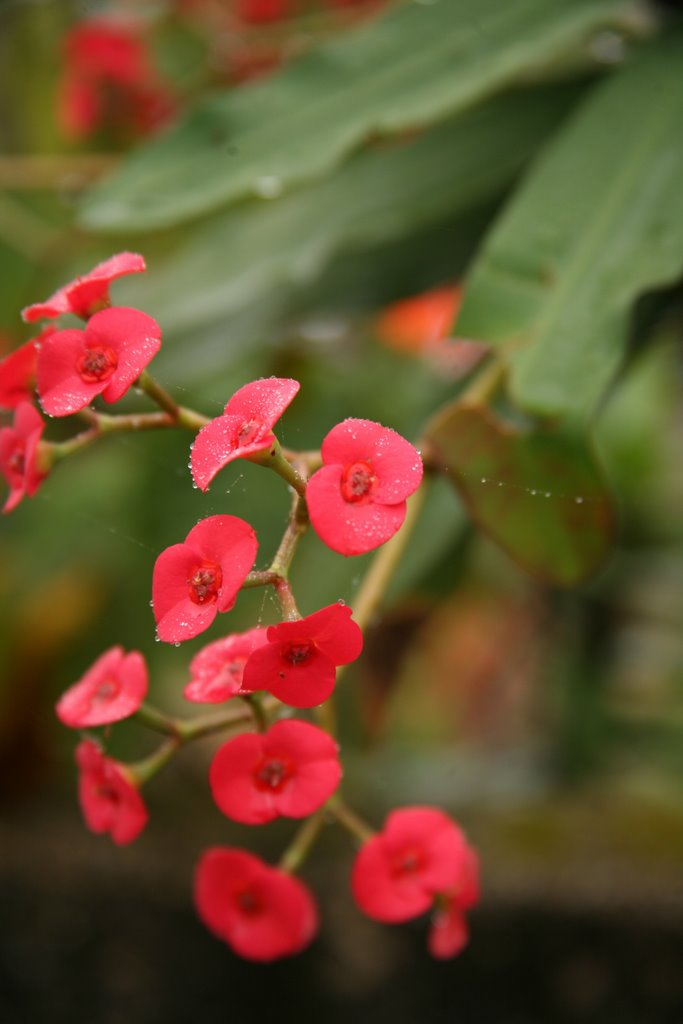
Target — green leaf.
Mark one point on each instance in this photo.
(539, 493)
(418, 64)
(239, 258)
(598, 221)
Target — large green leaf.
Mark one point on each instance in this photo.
(419, 63)
(248, 251)
(537, 493)
(598, 221)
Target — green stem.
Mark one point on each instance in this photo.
(275, 460)
(485, 384)
(142, 771)
(157, 720)
(255, 703)
(349, 819)
(296, 527)
(303, 841)
(385, 562)
(179, 414)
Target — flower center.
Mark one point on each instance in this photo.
(107, 689)
(249, 431)
(272, 773)
(297, 654)
(248, 902)
(358, 482)
(108, 792)
(96, 364)
(408, 863)
(16, 463)
(205, 583)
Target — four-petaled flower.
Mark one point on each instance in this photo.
(87, 294)
(105, 359)
(113, 688)
(19, 454)
(298, 664)
(217, 669)
(108, 796)
(419, 856)
(194, 580)
(357, 501)
(288, 771)
(259, 911)
(245, 428)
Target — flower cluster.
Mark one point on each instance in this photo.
(272, 763)
(70, 367)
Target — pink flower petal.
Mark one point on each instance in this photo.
(395, 461)
(264, 399)
(301, 686)
(112, 689)
(217, 444)
(92, 289)
(350, 529)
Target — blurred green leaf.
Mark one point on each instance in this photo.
(598, 222)
(242, 256)
(539, 494)
(416, 65)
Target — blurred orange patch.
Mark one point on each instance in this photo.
(417, 324)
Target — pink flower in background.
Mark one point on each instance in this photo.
(217, 669)
(105, 358)
(262, 913)
(195, 580)
(288, 771)
(298, 665)
(419, 854)
(19, 450)
(109, 81)
(87, 294)
(244, 429)
(109, 800)
(113, 688)
(357, 501)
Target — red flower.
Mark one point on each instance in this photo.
(195, 580)
(109, 800)
(109, 81)
(298, 665)
(260, 11)
(419, 854)
(261, 912)
(288, 771)
(113, 688)
(104, 359)
(18, 372)
(217, 669)
(87, 294)
(19, 454)
(245, 428)
(357, 500)
(418, 323)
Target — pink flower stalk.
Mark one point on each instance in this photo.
(195, 580)
(19, 454)
(298, 665)
(109, 81)
(87, 294)
(105, 359)
(217, 669)
(113, 688)
(357, 501)
(259, 911)
(18, 373)
(419, 855)
(288, 771)
(108, 796)
(244, 430)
